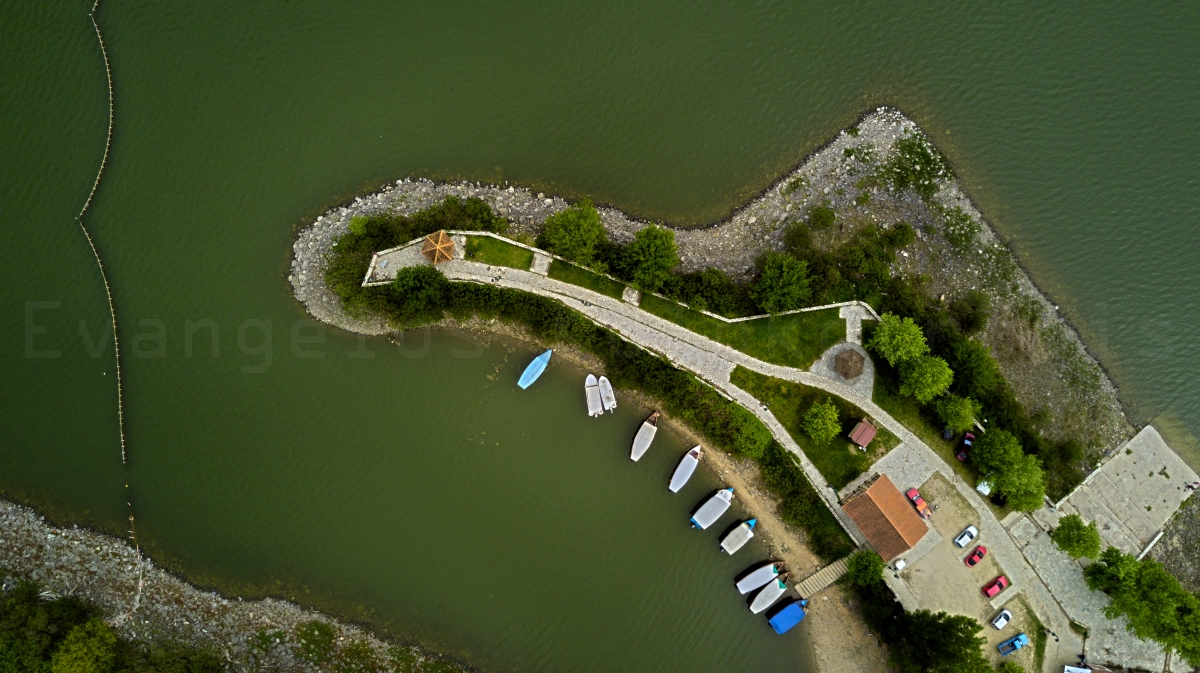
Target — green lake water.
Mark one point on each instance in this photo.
(410, 489)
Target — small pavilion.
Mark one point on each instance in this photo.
(438, 247)
(888, 521)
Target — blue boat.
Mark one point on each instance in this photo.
(534, 370)
(788, 616)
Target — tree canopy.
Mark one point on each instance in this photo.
(90, 647)
(1016, 476)
(782, 283)
(925, 378)
(941, 643)
(958, 413)
(419, 291)
(821, 421)
(1156, 606)
(821, 217)
(864, 568)
(1077, 538)
(650, 257)
(574, 233)
(898, 340)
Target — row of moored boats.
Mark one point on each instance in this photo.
(765, 581)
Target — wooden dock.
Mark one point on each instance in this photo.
(821, 579)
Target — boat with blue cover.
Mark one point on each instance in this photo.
(788, 615)
(534, 370)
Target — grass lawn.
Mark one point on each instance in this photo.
(488, 250)
(838, 460)
(577, 275)
(795, 340)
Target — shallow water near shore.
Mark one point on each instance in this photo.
(367, 484)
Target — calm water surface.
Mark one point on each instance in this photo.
(416, 491)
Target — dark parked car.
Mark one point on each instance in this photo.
(967, 442)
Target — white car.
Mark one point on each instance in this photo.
(1002, 620)
(964, 538)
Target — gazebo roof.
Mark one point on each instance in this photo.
(438, 247)
(849, 363)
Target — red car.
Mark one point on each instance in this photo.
(915, 497)
(976, 556)
(967, 442)
(995, 586)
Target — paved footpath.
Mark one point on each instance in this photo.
(714, 362)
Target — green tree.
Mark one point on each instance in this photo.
(574, 233)
(898, 340)
(976, 372)
(1077, 538)
(864, 568)
(89, 648)
(940, 643)
(822, 217)
(994, 452)
(649, 258)
(782, 283)
(1010, 667)
(1023, 484)
(821, 421)
(971, 311)
(419, 291)
(925, 378)
(958, 413)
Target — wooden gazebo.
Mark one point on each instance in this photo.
(849, 363)
(438, 247)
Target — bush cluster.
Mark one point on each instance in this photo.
(915, 164)
(67, 635)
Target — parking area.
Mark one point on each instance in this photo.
(941, 581)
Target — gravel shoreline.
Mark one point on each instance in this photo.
(1040, 354)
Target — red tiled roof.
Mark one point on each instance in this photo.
(863, 433)
(888, 520)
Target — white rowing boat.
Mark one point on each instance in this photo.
(685, 469)
(773, 591)
(758, 577)
(592, 390)
(606, 394)
(712, 509)
(645, 435)
(738, 537)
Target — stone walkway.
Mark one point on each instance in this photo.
(908, 465)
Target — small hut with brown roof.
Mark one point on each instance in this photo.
(849, 364)
(863, 433)
(438, 247)
(890, 523)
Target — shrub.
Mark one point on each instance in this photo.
(782, 283)
(958, 413)
(821, 421)
(925, 378)
(1076, 538)
(864, 568)
(898, 340)
(1010, 667)
(649, 258)
(797, 239)
(971, 311)
(574, 233)
(419, 292)
(90, 647)
(915, 164)
(959, 229)
(358, 225)
(710, 290)
(976, 372)
(822, 217)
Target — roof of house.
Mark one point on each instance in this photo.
(890, 523)
(863, 433)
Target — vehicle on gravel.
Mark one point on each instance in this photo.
(968, 441)
(976, 556)
(964, 538)
(1002, 619)
(915, 498)
(991, 589)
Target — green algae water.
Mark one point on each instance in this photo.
(414, 486)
